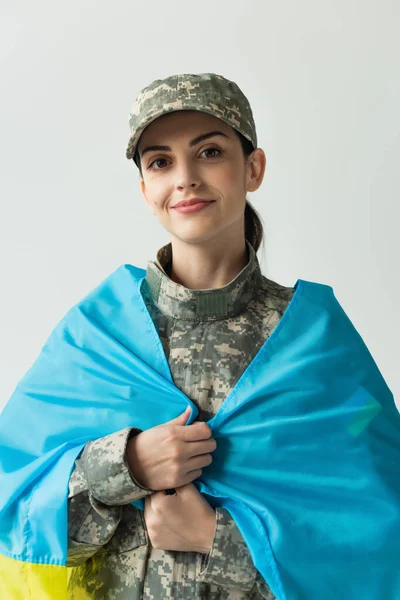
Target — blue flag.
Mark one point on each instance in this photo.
(308, 444)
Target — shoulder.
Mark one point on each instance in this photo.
(123, 277)
(275, 289)
(311, 293)
(117, 288)
(311, 289)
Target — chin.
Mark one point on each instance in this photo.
(195, 237)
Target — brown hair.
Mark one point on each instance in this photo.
(253, 228)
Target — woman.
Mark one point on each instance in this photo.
(193, 136)
(292, 464)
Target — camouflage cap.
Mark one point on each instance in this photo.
(206, 92)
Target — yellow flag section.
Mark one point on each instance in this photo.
(21, 580)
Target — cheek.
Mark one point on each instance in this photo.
(161, 194)
(155, 190)
(232, 186)
(158, 197)
(231, 176)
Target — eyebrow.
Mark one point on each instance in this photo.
(193, 142)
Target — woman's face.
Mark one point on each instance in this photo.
(212, 169)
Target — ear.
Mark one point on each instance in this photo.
(255, 167)
(149, 204)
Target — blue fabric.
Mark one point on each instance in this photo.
(308, 441)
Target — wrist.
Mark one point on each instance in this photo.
(132, 459)
(208, 532)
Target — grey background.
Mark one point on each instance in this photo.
(323, 80)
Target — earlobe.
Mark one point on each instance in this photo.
(257, 169)
(143, 188)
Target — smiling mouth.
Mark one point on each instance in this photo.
(195, 207)
(192, 202)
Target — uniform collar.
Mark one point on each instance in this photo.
(218, 303)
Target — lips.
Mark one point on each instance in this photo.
(191, 202)
(193, 208)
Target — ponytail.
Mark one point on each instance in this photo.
(253, 229)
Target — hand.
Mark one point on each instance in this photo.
(172, 454)
(181, 521)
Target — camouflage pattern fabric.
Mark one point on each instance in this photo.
(208, 347)
(206, 92)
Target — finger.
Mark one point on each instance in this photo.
(187, 492)
(186, 486)
(182, 418)
(196, 431)
(196, 448)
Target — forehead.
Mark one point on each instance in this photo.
(183, 122)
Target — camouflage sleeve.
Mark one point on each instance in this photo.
(100, 485)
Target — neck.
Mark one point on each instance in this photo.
(207, 266)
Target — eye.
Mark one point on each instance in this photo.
(213, 150)
(155, 161)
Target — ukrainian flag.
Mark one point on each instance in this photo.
(308, 456)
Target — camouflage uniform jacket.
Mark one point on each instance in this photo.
(209, 340)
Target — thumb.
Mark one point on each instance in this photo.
(182, 418)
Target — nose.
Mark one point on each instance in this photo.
(186, 177)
